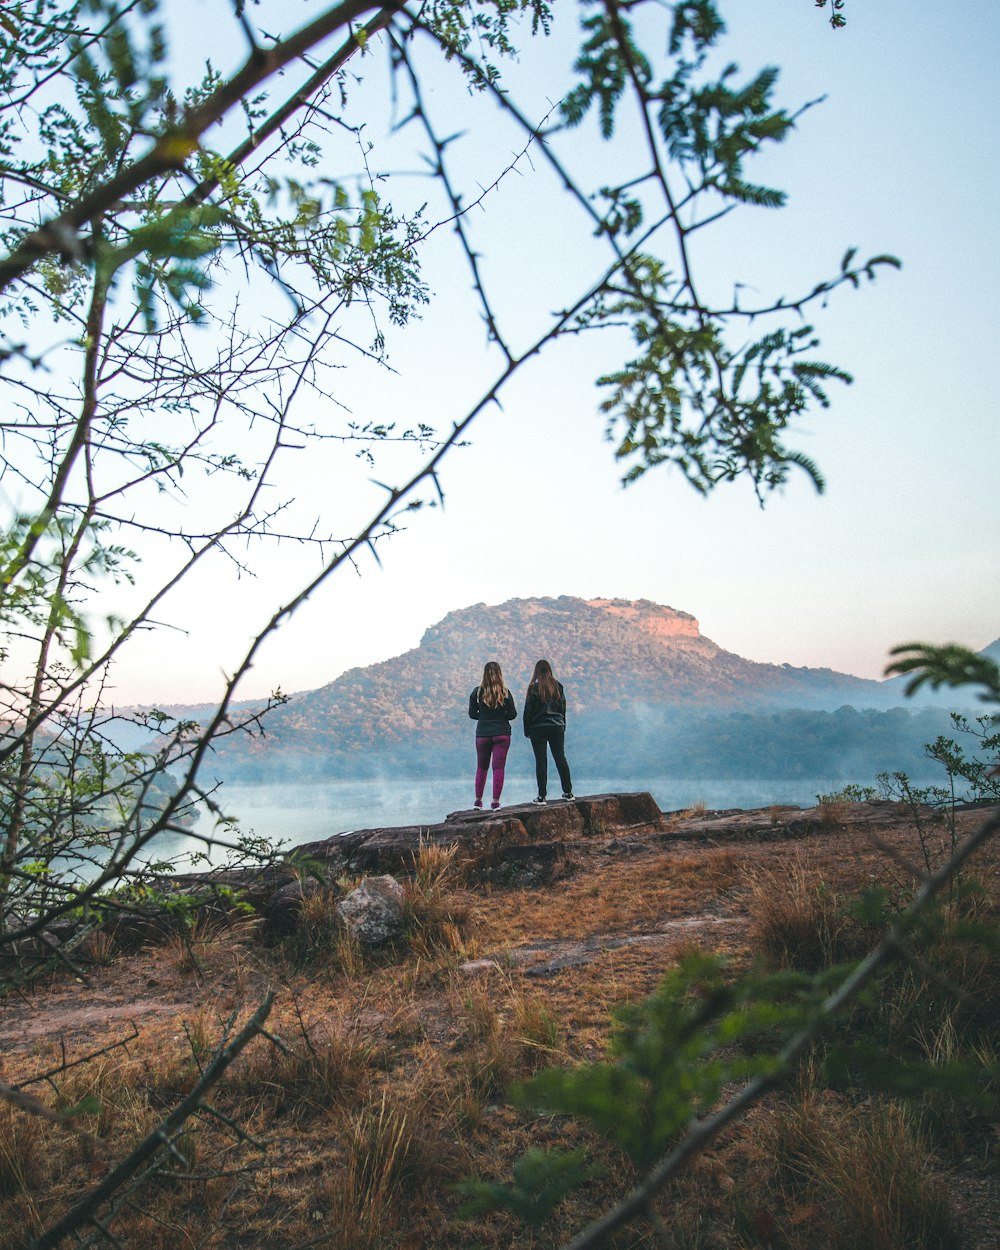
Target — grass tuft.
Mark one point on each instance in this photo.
(436, 918)
(798, 922)
(392, 1155)
(306, 1074)
(849, 1178)
(508, 1036)
(23, 1152)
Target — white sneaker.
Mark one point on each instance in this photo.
(539, 802)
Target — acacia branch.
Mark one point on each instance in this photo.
(59, 235)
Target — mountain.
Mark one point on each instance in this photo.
(633, 670)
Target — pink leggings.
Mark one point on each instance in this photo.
(491, 750)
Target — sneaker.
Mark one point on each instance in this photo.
(539, 802)
(495, 805)
(568, 797)
(478, 805)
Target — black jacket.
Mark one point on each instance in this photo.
(493, 721)
(547, 714)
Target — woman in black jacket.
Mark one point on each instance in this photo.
(491, 705)
(545, 725)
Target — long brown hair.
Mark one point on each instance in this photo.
(493, 692)
(543, 680)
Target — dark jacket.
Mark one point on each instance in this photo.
(493, 721)
(544, 714)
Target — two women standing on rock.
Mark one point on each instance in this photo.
(491, 706)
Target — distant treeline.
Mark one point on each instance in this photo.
(655, 741)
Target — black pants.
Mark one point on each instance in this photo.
(550, 736)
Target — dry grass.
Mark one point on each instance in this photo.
(833, 812)
(392, 1154)
(798, 921)
(677, 819)
(437, 914)
(120, 1086)
(99, 947)
(190, 948)
(304, 1073)
(23, 1152)
(321, 942)
(708, 873)
(837, 1177)
(392, 1081)
(507, 1034)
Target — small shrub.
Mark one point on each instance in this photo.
(849, 794)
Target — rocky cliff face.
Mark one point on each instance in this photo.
(650, 618)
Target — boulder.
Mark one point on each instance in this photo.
(281, 910)
(373, 912)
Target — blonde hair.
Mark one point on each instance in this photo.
(493, 692)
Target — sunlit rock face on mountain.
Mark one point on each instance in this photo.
(649, 617)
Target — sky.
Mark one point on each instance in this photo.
(905, 543)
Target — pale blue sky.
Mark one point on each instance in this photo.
(901, 158)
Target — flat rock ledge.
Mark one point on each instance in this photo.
(520, 845)
(525, 844)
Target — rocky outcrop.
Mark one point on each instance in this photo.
(520, 845)
(651, 618)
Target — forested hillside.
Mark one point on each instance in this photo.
(648, 693)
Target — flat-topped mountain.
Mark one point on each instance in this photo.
(631, 668)
(612, 653)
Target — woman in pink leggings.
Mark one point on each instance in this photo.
(491, 706)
